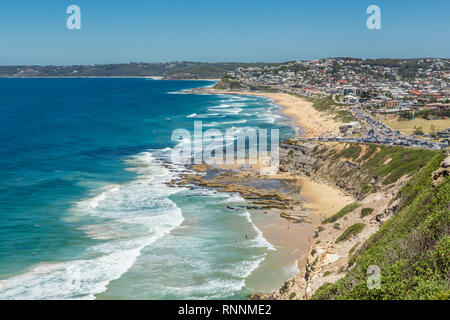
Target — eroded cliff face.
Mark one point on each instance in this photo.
(359, 169)
(317, 160)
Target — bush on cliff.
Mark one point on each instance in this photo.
(350, 232)
(366, 211)
(347, 209)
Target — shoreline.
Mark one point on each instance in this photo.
(308, 120)
(291, 228)
(286, 209)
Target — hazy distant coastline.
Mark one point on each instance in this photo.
(167, 71)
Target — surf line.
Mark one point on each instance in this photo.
(212, 153)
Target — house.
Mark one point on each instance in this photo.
(351, 90)
(351, 99)
(349, 128)
(393, 110)
(437, 106)
(391, 103)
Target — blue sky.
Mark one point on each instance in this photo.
(115, 31)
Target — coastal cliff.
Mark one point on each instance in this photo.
(359, 169)
(398, 191)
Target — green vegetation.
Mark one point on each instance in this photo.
(353, 248)
(227, 83)
(327, 104)
(366, 211)
(350, 232)
(412, 249)
(106, 70)
(344, 116)
(347, 209)
(337, 226)
(351, 151)
(170, 70)
(326, 273)
(292, 295)
(406, 70)
(405, 161)
(387, 164)
(324, 104)
(418, 131)
(210, 70)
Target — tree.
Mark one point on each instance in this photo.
(433, 131)
(418, 131)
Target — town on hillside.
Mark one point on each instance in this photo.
(389, 101)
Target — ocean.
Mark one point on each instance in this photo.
(85, 209)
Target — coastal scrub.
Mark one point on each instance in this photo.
(345, 210)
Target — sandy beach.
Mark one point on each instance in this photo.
(323, 199)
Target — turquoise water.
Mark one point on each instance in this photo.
(85, 211)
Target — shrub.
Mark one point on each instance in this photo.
(350, 231)
(292, 295)
(347, 209)
(285, 287)
(366, 211)
(353, 248)
(326, 273)
(318, 230)
(337, 226)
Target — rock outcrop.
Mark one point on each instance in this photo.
(443, 171)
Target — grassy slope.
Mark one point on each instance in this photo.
(399, 162)
(412, 249)
(327, 105)
(407, 126)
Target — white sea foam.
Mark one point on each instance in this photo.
(213, 289)
(211, 124)
(245, 268)
(215, 124)
(233, 198)
(221, 288)
(206, 115)
(259, 240)
(235, 110)
(79, 279)
(130, 216)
